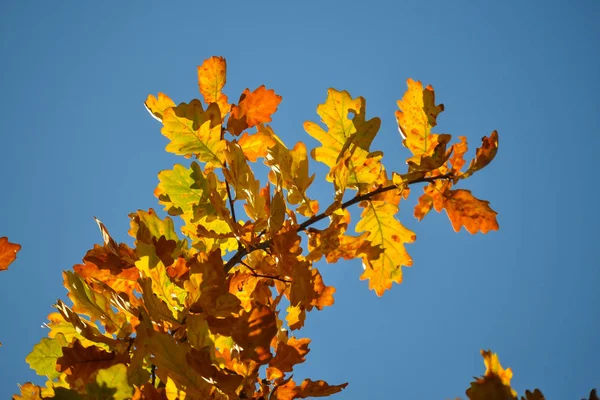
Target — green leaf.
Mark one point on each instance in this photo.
(111, 384)
(147, 223)
(42, 358)
(194, 131)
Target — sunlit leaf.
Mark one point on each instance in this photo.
(252, 109)
(157, 106)
(193, 131)
(8, 252)
(44, 355)
(385, 231)
(416, 117)
(211, 80)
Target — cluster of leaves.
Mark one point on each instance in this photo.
(200, 315)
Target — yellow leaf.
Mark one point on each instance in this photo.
(277, 215)
(348, 129)
(257, 144)
(212, 76)
(385, 231)
(157, 106)
(417, 115)
(295, 317)
(194, 131)
(290, 171)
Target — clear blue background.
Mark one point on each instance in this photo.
(77, 142)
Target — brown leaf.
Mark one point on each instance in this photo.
(290, 353)
(253, 332)
(80, 363)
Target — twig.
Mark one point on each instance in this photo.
(254, 273)
(242, 252)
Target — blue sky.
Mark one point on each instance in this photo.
(77, 142)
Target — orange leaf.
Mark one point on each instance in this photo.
(256, 145)
(254, 331)
(484, 155)
(29, 391)
(211, 80)
(458, 153)
(464, 209)
(308, 388)
(8, 252)
(289, 354)
(253, 108)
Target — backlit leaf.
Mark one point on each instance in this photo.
(43, 357)
(8, 252)
(157, 106)
(193, 131)
(252, 109)
(211, 80)
(416, 117)
(484, 155)
(257, 144)
(95, 305)
(385, 231)
(348, 129)
(464, 209)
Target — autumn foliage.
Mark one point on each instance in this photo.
(199, 314)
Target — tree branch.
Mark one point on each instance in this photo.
(242, 252)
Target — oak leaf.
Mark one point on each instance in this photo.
(95, 305)
(193, 131)
(254, 330)
(157, 106)
(308, 388)
(386, 232)
(212, 76)
(111, 383)
(495, 384)
(8, 252)
(416, 117)
(42, 358)
(354, 134)
(81, 363)
(252, 109)
(464, 209)
(29, 391)
(484, 155)
(256, 145)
